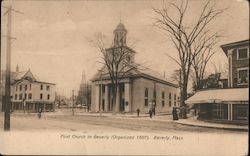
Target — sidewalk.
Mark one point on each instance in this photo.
(192, 121)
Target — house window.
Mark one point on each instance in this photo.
(243, 76)
(20, 96)
(25, 96)
(30, 86)
(47, 88)
(242, 53)
(48, 96)
(26, 87)
(41, 87)
(240, 112)
(20, 87)
(220, 111)
(169, 103)
(41, 96)
(16, 88)
(30, 96)
(15, 96)
(146, 97)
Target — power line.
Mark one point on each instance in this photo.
(17, 11)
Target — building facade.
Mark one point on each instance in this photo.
(141, 89)
(238, 61)
(230, 104)
(29, 94)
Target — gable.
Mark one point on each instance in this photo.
(29, 76)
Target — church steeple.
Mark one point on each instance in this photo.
(120, 35)
(83, 78)
(17, 68)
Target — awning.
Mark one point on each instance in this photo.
(219, 95)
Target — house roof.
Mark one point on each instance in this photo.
(227, 46)
(219, 95)
(18, 77)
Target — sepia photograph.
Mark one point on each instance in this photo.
(124, 77)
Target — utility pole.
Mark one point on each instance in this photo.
(7, 101)
(7, 81)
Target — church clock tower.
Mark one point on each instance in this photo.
(120, 35)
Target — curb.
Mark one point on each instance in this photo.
(206, 126)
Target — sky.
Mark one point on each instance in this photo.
(52, 37)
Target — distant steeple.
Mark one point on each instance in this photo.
(120, 35)
(17, 68)
(83, 78)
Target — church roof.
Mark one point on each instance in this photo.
(120, 26)
(140, 72)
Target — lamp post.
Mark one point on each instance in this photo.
(73, 102)
(87, 93)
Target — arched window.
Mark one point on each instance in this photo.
(146, 92)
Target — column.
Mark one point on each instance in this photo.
(230, 111)
(96, 96)
(117, 104)
(106, 103)
(127, 96)
(230, 75)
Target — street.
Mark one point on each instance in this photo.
(67, 134)
(105, 124)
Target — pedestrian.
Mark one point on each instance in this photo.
(174, 113)
(138, 112)
(154, 110)
(39, 113)
(150, 113)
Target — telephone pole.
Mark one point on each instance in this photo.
(7, 101)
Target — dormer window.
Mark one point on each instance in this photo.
(242, 53)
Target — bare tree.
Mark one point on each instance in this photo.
(204, 52)
(188, 39)
(117, 64)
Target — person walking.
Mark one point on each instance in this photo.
(150, 113)
(39, 113)
(138, 112)
(174, 113)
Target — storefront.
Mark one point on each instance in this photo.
(221, 105)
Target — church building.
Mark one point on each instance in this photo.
(142, 88)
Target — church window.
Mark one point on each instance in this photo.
(163, 99)
(146, 97)
(47, 88)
